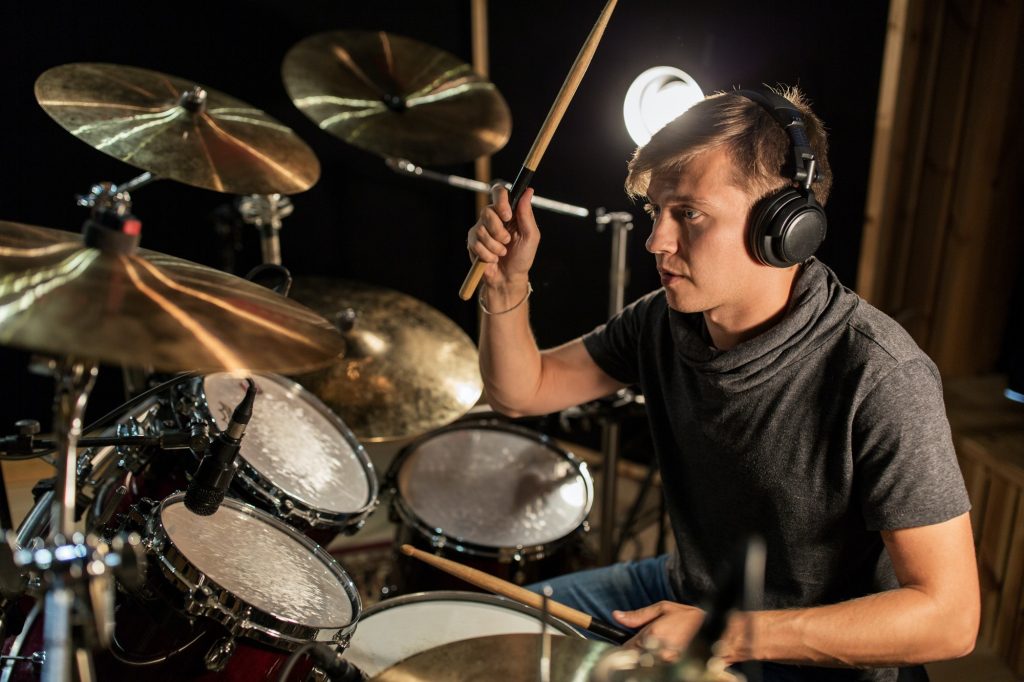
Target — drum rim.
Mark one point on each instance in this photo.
(439, 538)
(289, 504)
(206, 597)
(465, 595)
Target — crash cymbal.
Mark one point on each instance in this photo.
(396, 97)
(176, 129)
(407, 369)
(498, 657)
(60, 297)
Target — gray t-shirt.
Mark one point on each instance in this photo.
(816, 434)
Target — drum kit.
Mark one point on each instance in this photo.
(134, 561)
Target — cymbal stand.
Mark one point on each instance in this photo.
(619, 223)
(265, 212)
(408, 167)
(117, 198)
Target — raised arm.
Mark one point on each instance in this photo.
(519, 379)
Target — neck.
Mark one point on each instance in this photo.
(730, 325)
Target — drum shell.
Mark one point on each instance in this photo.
(250, 662)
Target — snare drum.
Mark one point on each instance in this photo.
(298, 460)
(496, 496)
(397, 628)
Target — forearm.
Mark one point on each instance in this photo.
(510, 361)
(899, 627)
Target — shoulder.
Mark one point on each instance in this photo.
(882, 334)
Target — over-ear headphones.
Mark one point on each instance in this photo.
(787, 226)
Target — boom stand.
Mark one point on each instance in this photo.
(620, 223)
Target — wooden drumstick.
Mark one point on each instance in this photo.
(522, 595)
(547, 131)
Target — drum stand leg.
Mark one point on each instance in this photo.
(73, 571)
(609, 480)
(619, 223)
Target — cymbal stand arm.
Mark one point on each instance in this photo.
(620, 224)
(115, 197)
(408, 167)
(137, 182)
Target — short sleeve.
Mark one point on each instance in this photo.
(905, 467)
(615, 345)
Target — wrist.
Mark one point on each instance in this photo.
(738, 641)
(506, 296)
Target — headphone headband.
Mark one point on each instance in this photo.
(792, 121)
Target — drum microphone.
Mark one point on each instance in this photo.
(206, 489)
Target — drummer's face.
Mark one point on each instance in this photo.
(698, 237)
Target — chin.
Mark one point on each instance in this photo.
(683, 304)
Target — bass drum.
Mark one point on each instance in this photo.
(298, 460)
(494, 496)
(403, 626)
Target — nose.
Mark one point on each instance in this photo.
(662, 238)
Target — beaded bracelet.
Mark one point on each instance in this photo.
(480, 300)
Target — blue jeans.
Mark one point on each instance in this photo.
(636, 584)
(624, 587)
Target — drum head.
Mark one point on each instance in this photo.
(397, 628)
(494, 487)
(295, 442)
(261, 561)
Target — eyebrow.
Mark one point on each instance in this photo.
(681, 199)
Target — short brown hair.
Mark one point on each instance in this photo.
(759, 147)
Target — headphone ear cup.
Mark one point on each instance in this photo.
(786, 228)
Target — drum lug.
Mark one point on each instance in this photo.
(216, 659)
(197, 600)
(509, 555)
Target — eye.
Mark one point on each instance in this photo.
(652, 210)
(687, 214)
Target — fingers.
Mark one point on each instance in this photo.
(500, 202)
(488, 238)
(640, 617)
(526, 223)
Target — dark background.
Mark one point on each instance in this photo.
(363, 222)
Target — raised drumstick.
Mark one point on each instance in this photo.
(522, 595)
(547, 131)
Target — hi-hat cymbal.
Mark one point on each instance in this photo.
(176, 129)
(407, 369)
(498, 657)
(396, 97)
(60, 297)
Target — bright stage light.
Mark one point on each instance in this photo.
(657, 96)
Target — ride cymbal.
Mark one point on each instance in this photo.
(498, 657)
(396, 97)
(176, 129)
(407, 369)
(60, 297)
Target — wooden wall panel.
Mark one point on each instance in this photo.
(942, 232)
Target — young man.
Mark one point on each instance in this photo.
(781, 404)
